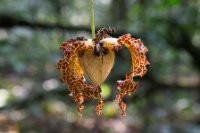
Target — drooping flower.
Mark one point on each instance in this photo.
(95, 58)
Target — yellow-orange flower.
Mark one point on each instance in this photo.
(95, 58)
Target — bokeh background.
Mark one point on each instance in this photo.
(32, 99)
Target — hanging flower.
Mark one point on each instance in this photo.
(95, 58)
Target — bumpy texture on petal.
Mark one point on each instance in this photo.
(139, 62)
(79, 54)
(72, 74)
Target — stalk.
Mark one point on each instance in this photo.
(92, 18)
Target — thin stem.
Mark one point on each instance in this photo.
(92, 18)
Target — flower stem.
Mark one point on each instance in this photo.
(92, 18)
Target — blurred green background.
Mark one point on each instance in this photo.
(32, 99)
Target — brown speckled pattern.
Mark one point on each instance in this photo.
(72, 74)
(139, 62)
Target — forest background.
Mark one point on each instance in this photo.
(33, 100)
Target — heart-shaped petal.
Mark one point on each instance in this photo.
(97, 68)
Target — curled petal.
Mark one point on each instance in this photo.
(125, 87)
(138, 68)
(138, 54)
(72, 74)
